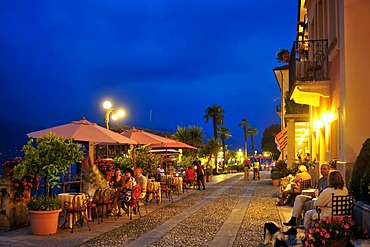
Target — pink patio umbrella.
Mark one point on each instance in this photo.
(170, 145)
(143, 137)
(84, 130)
(155, 141)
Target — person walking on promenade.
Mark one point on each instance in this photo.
(305, 202)
(247, 167)
(256, 169)
(200, 173)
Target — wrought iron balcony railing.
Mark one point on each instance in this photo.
(308, 61)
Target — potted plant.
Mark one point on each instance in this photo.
(275, 177)
(208, 174)
(48, 159)
(333, 232)
(44, 215)
(283, 55)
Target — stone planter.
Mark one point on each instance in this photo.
(44, 222)
(12, 214)
(361, 214)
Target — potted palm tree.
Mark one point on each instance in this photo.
(48, 159)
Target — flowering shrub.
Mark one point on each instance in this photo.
(325, 231)
(20, 188)
(106, 167)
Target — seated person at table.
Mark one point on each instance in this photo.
(324, 201)
(117, 183)
(129, 183)
(294, 185)
(305, 202)
(141, 180)
(127, 187)
(189, 176)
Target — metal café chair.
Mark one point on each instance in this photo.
(77, 208)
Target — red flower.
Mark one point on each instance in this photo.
(21, 188)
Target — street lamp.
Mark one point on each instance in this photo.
(107, 105)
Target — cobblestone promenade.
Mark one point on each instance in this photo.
(230, 212)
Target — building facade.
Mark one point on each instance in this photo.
(327, 72)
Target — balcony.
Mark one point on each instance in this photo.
(309, 72)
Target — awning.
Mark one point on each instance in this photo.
(281, 139)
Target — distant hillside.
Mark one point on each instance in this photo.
(13, 137)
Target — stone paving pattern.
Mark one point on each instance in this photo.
(230, 212)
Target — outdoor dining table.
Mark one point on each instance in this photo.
(68, 197)
(178, 182)
(309, 192)
(173, 180)
(153, 191)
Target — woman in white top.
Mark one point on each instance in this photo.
(336, 186)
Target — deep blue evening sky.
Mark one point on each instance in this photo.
(60, 59)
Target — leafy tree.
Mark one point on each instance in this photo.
(224, 134)
(245, 125)
(193, 135)
(49, 158)
(268, 140)
(252, 132)
(210, 148)
(359, 182)
(217, 114)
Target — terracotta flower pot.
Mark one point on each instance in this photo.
(276, 182)
(44, 222)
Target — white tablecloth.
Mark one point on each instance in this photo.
(153, 189)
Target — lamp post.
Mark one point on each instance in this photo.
(107, 105)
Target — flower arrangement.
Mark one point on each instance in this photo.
(283, 55)
(20, 187)
(326, 231)
(106, 167)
